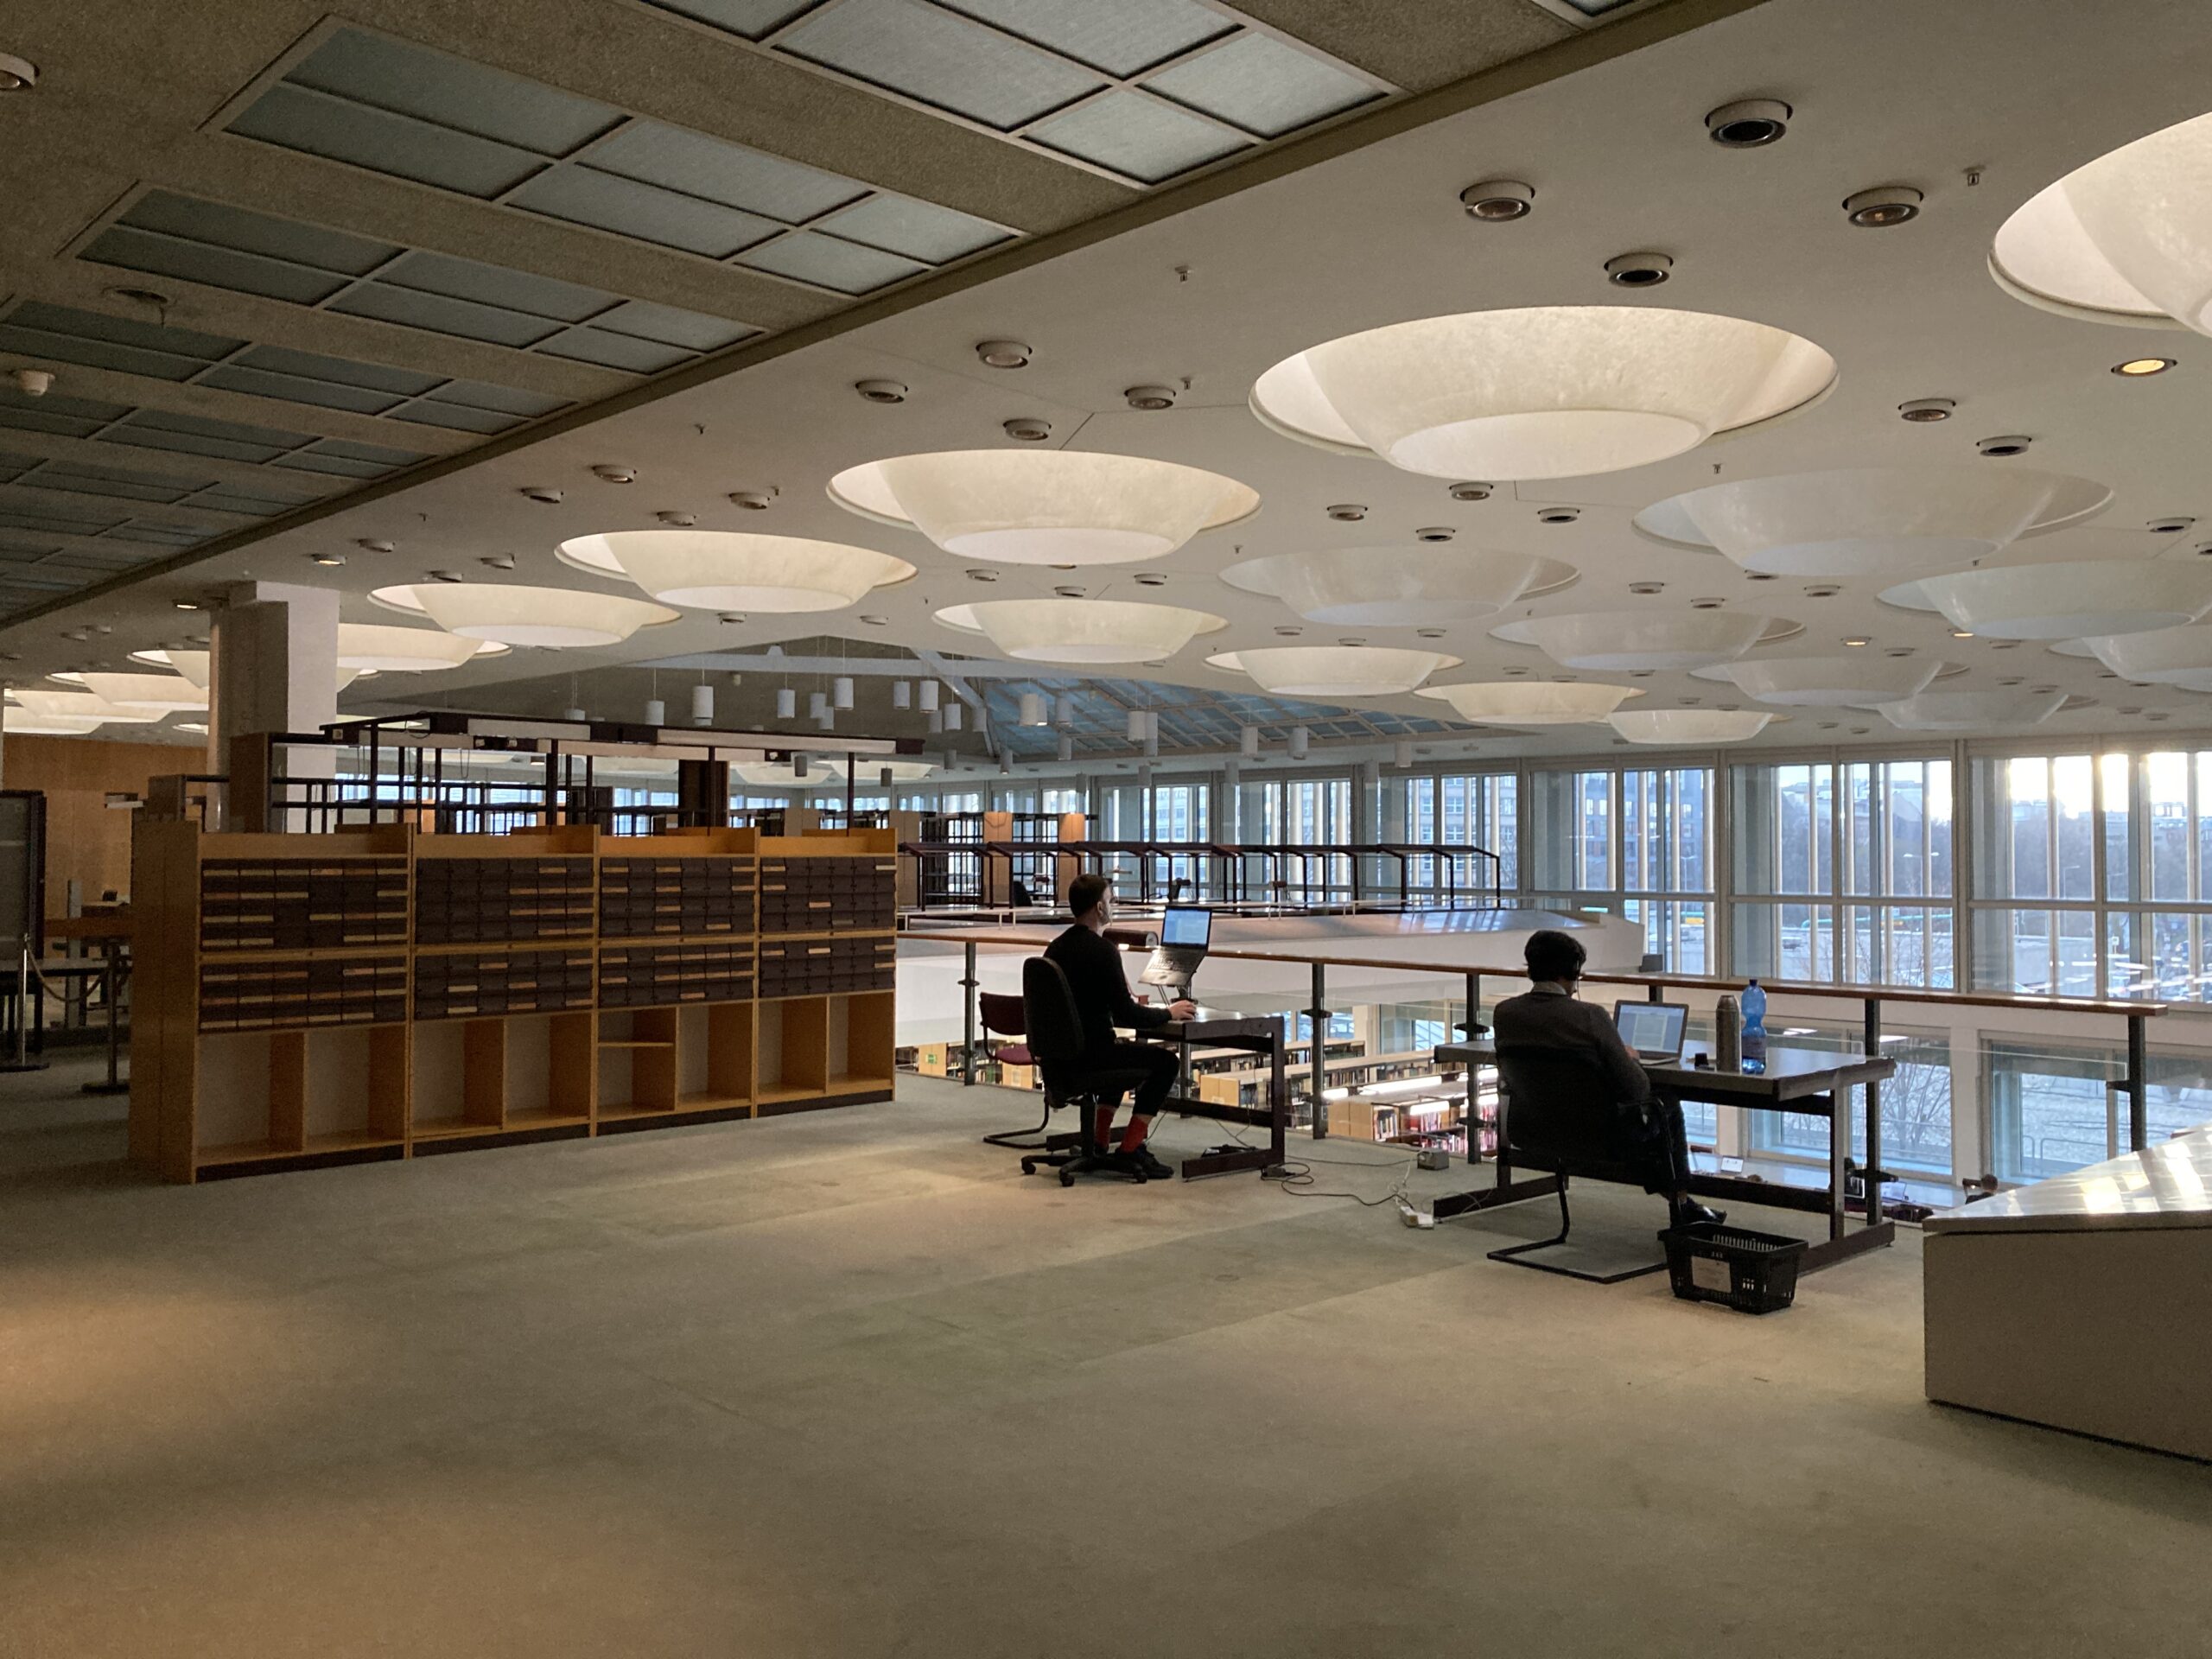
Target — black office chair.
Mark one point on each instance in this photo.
(1055, 1031)
(1557, 1111)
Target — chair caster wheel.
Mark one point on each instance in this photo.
(1029, 1166)
(1067, 1177)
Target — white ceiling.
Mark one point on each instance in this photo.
(1885, 91)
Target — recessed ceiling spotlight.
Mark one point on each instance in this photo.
(1758, 575)
(1150, 579)
(1028, 430)
(2043, 690)
(1884, 206)
(1921, 410)
(1961, 633)
(1471, 492)
(32, 383)
(1348, 511)
(2169, 526)
(187, 604)
(1855, 641)
(752, 500)
(2012, 445)
(1429, 633)
(1151, 396)
(16, 74)
(1288, 631)
(615, 475)
(2136, 367)
(676, 520)
(1003, 353)
(2154, 714)
(2004, 645)
(1496, 200)
(539, 492)
(1069, 592)
(1435, 533)
(154, 297)
(1646, 587)
(1822, 589)
(1748, 123)
(2012, 680)
(981, 574)
(370, 545)
(877, 621)
(1707, 604)
(326, 558)
(1558, 515)
(732, 617)
(1638, 270)
(1899, 651)
(497, 561)
(445, 576)
(881, 392)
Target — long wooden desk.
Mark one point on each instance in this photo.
(1806, 1081)
(1255, 1034)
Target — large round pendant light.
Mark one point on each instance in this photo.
(197, 667)
(1550, 392)
(1334, 671)
(1689, 725)
(1398, 586)
(2127, 238)
(1052, 506)
(2076, 600)
(1532, 703)
(1083, 631)
(1871, 521)
(1971, 711)
(1628, 641)
(1857, 682)
(557, 618)
(730, 570)
(378, 648)
(2180, 657)
(84, 705)
(21, 723)
(163, 692)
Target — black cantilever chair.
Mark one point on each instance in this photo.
(1003, 1016)
(1557, 1111)
(1055, 1031)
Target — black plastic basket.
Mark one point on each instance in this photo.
(1753, 1272)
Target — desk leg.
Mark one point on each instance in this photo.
(1839, 1144)
(1840, 1246)
(114, 1086)
(1278, 1101)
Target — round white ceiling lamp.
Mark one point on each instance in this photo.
(558, 617)
(1399, 586)
(1856, 682)
(21, 723)
(164, 692)
(1547, 391)
(1087, 631)
(1334, 671)
(197, 667)
(2180, 657)
(733, 570)
(1689, 725)
(1531, 702)
(1871, 521)
(1971, 711)
(2127, 238)
(84, 705)
(376, 647)
(1626, 641)
(2076, 600)
(1052, 507)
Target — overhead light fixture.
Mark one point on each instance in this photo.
(881, 392)
(928, 692)
(1398, 586)
(165, 692)
(1871, 521)
(818, 704)
(1248, 741)
(1498, 201)
(2071, 600)
(1925, 411)
(702, 704)
(840, 692)
(1961, 633)
(86, 705)
(2178, 656)
(2124, 238)
(1003, 353)
(1054, 507)
(1828, 682)
(786, 703)
(1135, 725)
(902, 693)
(21, 723)
(1547, 391)
(1063, 710)
(1300, 738)
(1638, 270)
(1619, 640)
(187, 604)
(1748, 123)
(1066, 747)
(2137, 367)
(1531, 702)
(556, 618)
(380, 648)
(1033, 709)
(955, 715)
(734, 570)
(1971, 711)
(16, 74)
(1335, 670)
(1087, 631)
(1884, 206)
(1861, 640)
(1150, 397)
(326, 559)
(1028, 430)
(656, 712)
(1676, 726)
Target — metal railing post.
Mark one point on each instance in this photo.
(1318, 1016)
(1873, 1114)
(2139, 1082)
(1474, 1003)
(967, 1016)
(115, 1084)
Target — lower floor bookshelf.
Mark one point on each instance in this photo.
(263, 1101)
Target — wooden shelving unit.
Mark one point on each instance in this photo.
(310, 1000)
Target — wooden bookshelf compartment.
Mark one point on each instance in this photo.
(356, 1086)
(549, 1066)
(459, 1078)
(793, 1049)
(237, 1082)
(637, 1062)
(299, 1094)
(863, 1038)
(713, 1057)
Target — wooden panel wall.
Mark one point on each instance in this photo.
(85, 840)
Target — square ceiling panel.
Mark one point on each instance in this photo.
(496, 285)
(38, 330)
(154, 428)
(1140, 137)
(398, 146)
(939, 60)
(827, 262)
(613, 350)
(582, 195)
(452, 92)
(115, 483)
(1262, 85)
(919, 230)
(715, 170)
(230, 247)
(66, 418)
(1123, 39)
(672, 326)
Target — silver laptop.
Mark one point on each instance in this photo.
(1652, 1030)
(1184, 932)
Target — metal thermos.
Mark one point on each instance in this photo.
(1727, 1035)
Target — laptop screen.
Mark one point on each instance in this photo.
(1187, 924)
(1651, 1029)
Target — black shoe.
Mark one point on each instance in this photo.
(1142, 1163)
(1693, 1215)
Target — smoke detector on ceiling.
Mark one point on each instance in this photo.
(1151, 396)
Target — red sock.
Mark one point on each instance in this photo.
(1133, 1137)
(1103, 1128)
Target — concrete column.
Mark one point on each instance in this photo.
(1228, 803)
(274, 668)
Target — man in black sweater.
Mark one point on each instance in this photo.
(1103, 1001)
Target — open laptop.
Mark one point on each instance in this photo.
(1652, 1030)
(1184, 932)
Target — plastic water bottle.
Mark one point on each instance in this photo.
(1754, 1024)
